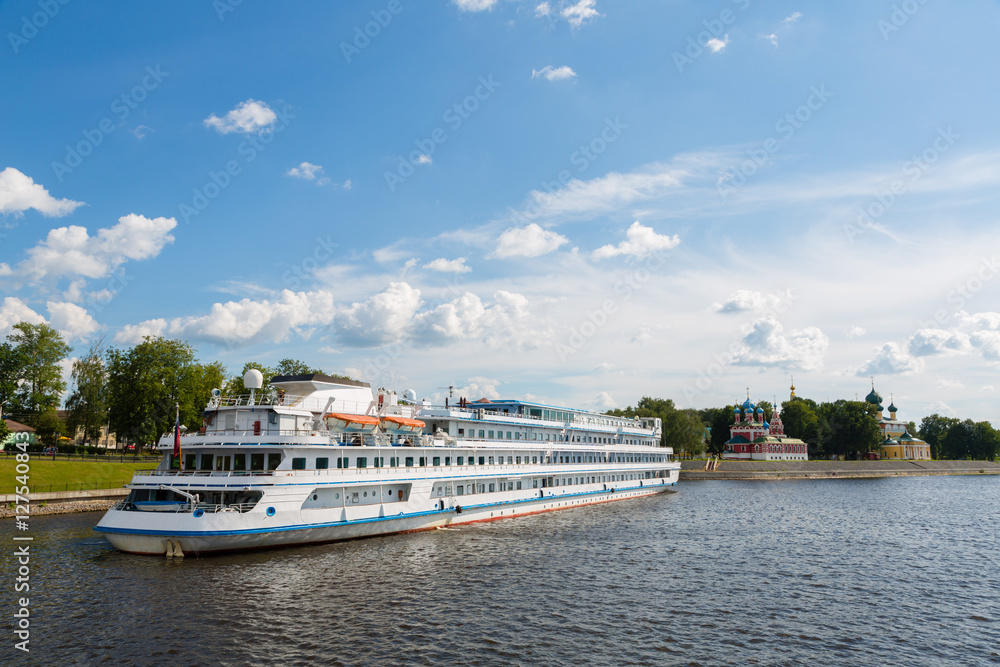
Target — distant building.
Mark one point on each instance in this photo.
(897, 442)
(18, 433)
(753, 439)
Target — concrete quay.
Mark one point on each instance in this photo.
(695, 470)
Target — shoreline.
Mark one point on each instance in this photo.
(772, 470)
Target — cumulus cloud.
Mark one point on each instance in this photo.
(71, 320)
(19, 192)
(529, 241)
(977, 332)
(507, 322)
(580, 13)
(247, 117)
(71, 251)
(448, 265)
(132, 334)
(743, 301)
(474, 5)
(550, 73)
(12, 311)
(925, 342)
(384, 318)
(856, 332)
(715, 44)
(641, 241)
(767, 344)
(311, 172)
(478, 387)
(890, 359)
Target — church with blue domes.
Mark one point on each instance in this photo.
(754, 439)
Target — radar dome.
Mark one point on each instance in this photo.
(410, 396)
(253, 379)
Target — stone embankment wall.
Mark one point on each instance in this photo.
(64, 502)
(692, 470)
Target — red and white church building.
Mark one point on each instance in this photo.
(754, 439)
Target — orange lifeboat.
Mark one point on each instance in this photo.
(339, 421)
(396, 424)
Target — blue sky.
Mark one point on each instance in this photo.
(581, 202)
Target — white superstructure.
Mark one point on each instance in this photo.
(320, 459)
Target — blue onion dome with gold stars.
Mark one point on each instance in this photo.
(748, 405)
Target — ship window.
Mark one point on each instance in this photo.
(206, 461)
(460, 490)
(447, 460)
(508, 435)
(190, 461)
(436, 461)
(362, 461)
(510, 460)
(534, 483)
(256, 462)
(409, 461)
(491, 435)
(273, 461)
(461, 431)
(492, 487)
(518, 460)
(272, 417)
(239, 461)
(491, 460)
(482, 488)
(482, 433)
(322, 463)
(461, 459)
(482, 461)
(423, 461)
(518, 485)
(299, 463)
(534, 459)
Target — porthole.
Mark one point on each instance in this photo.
(366, 494)
(336, 496)
(270, 511)
(315, 496)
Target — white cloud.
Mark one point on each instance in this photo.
(795, 16)
(71, 251)
(12, 311)
(890, 359)
(856, 332)
(474, 5)
(543, 9)
(18, 193)
(715, 44)
(766, 344)
(132, 334)
(530, 241)
(641, 336)
(308, 172)
(384, 318)
(773, 38)
(579, 13)
(507, 323)
(550, 73)
(347, 184)
(140, 131)
(424, 159)
(478, 387)
(247, 117)
(742, 301)
(925, 342)
(950, 384)
(71, 320)
(604, 401)
(448, 265)
(641, 242)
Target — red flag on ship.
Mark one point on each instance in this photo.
(177, 434)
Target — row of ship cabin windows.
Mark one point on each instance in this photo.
(237, 462)
(485, 434)
(323, 463)
(544, 482)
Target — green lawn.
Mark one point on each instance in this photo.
(47, 475)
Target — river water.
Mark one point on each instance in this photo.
(860, 572)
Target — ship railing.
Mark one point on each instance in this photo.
(203, 473)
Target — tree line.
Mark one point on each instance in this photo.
(839, 428)
(133, 392)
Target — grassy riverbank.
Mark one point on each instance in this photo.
(46, 475)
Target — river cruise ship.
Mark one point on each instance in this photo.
(319, 459)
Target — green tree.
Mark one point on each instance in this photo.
(147, 381)
(801, 420)
(12, 364)
(933, 430)
(42, 348)
(295, 367)
(48, 427)
(233, 385)
(719, 420)
(88, 402)
(682, 429)
(849, 428)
